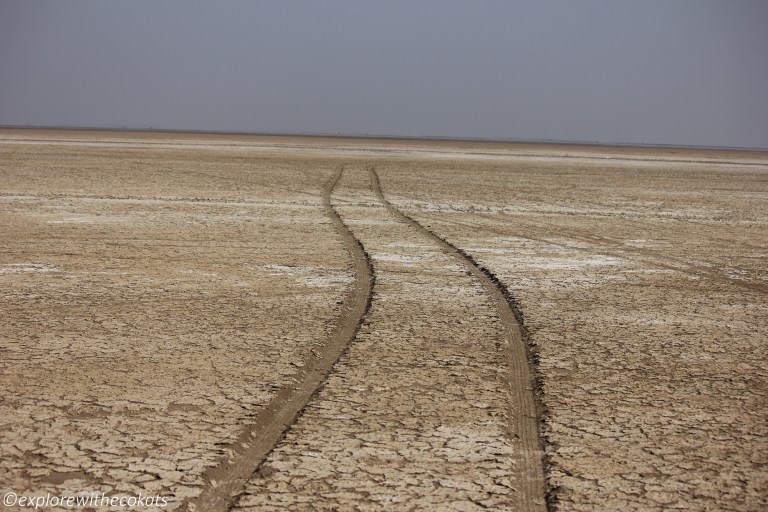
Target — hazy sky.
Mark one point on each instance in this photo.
(650, 71)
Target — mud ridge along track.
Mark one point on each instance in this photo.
(226, 481)
(527, 410)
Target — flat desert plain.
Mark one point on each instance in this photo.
(285, 323)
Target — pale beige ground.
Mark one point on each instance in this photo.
(152, 302)
(156, 291)
(645, 287)
(414, 416)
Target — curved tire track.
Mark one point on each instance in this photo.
(227, 480)
(526, 408)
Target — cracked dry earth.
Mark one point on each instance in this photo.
(153, 302)
(173, 303)
(643, 286)
(416, 414)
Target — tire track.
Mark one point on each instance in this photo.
(526, 406)
(614, 249)
(227, 480)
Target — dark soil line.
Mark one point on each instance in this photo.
(527, 410)
(657, 260)
(617, 250)
(226, 481)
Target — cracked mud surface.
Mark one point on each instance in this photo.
(159, 292)
(644, 288)
(140, 335)
(416, 414)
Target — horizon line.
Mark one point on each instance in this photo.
(341, 135)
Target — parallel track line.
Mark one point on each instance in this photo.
(526, 409)
(227, 480)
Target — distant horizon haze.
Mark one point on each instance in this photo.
(684, 73)
(575, 142)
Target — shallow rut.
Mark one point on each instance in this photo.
(433, 404)
(524, 387)
(227, 480)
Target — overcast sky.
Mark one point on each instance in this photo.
(650, 71)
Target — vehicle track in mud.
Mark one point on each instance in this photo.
(433, 405)
(225, 481)
(155, 301)
(524, 383)
(618, 304)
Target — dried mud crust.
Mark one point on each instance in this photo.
(416, 414)
(226, 481)
(154, 303)
(643, 285)
(527, 409)
(158, 291)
